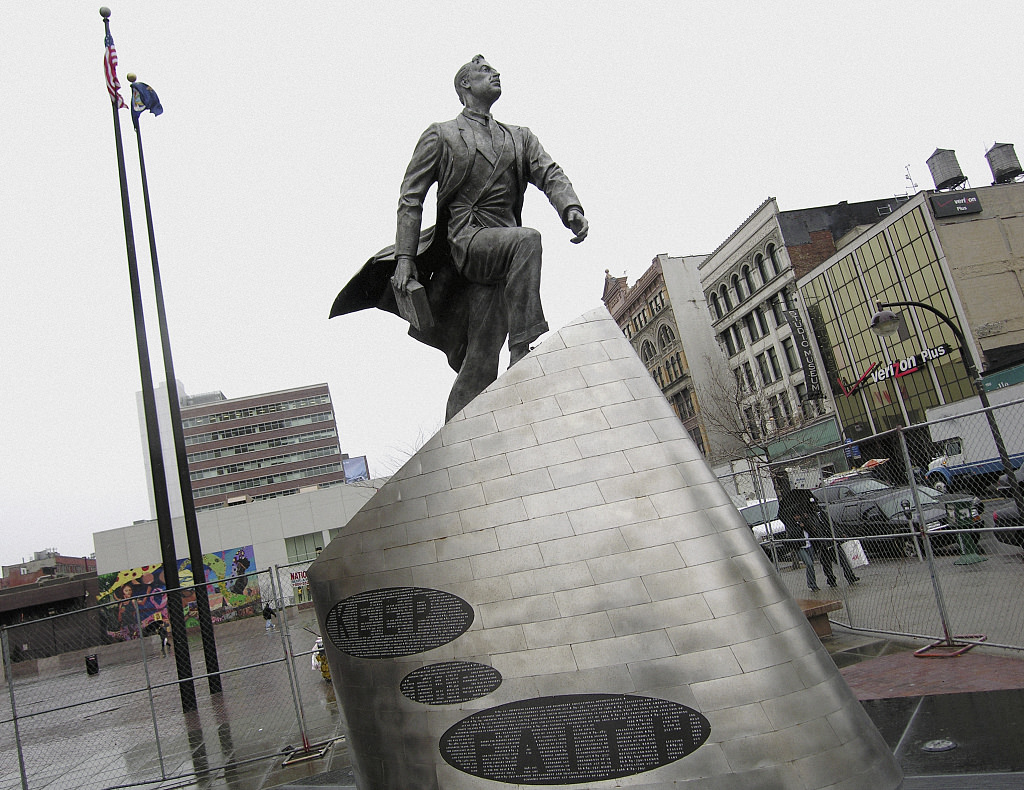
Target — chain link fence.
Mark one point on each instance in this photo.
(916, 532)
(118, 695)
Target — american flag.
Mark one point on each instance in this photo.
(110, 70)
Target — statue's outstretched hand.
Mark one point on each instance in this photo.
(405, 271)
(578, 225)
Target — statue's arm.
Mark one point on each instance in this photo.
(544, 173)
(419, 177)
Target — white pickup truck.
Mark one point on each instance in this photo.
(967, 452)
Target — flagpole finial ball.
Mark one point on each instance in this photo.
(104, 12)
(131, 77)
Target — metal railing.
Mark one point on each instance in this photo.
(90, 698)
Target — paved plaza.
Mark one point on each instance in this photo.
(975, 701)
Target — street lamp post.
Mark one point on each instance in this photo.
(885, 323)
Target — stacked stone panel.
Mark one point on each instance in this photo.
(606, 570)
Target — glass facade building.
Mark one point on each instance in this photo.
(879, 384)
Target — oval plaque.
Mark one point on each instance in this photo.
(450, 682)
(573, 738)
(396, 621)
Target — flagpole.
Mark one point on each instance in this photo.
(179, 638)
(195, 549)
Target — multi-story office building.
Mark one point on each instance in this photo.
(749, 284)
(959, 251)
(256, 447)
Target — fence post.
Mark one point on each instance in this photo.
(836, 545)
(286, 645)
(929, 556)
(149, 688)
(9, 671)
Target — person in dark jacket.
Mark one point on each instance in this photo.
(795, 511)
(825, 548)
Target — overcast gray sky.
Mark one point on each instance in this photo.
(274, 175)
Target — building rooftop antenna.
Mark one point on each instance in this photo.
(910, 178)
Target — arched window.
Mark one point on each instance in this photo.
(715, 306)
(774, 255)
(647, 351)
(759, 263)
(737, 288)
(726, 301)
(749, 280)
(666, 336)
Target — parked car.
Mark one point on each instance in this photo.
(763, 518)
(847, 488)
(1007, 515)
(884, 518)
(1003, 484)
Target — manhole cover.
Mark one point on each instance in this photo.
(939, 745)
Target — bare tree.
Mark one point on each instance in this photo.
(740, 412)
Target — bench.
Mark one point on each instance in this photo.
(816, 613)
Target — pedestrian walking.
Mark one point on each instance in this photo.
(268, 612)
(801, 533)
(795, 509)
(161, 631)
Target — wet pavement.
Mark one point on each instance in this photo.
(954, 722)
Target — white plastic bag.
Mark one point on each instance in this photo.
(855, 553)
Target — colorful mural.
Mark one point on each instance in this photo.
(232, 593)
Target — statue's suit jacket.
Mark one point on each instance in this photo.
(444, 155)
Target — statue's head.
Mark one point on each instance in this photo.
(478, 79)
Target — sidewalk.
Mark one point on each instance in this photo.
(970, 706)
(975, 701)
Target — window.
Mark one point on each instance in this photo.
(303, 547)
(762, 324)
(787, 409)
(737, 336)
(640, 319)
(666, 337)
(739, 379)
(674, 366)
(698, 439)
(792, 361)
(657, 302)
(748, 321)
(762, 367)
(723, 292)
(737, 288)
(773, 404)
(776, 308)
(659, 376)
(774, 255)
(805, 405)
(726, 339)
(748, 279)
(773, 360)
(684, 403)
(647, 351)
(715, 306)
(748, 374)
(762, 272)
(748, 415)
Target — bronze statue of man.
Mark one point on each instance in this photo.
(480, 268)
